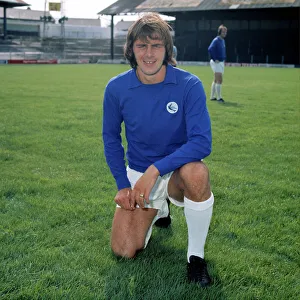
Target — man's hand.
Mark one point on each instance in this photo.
(143, 186)
(123, 199)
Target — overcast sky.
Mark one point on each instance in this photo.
(82, 9)
(79, 9)
(75, 8)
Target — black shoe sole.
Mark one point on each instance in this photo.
(164, 222)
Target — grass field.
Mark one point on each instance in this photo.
(56, 191)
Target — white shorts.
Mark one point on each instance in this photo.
(159, 192)
(217, 67)
(158, 197)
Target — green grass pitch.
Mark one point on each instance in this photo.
(56, 191)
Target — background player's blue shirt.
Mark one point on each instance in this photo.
(166, 124)
(217, 49)
(174, 51)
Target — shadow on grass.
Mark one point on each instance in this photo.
(158, 272)
(227, 103)
(233, 104)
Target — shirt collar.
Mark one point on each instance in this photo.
(169, 78)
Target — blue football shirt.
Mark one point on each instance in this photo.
(166, 124)
(217, 49)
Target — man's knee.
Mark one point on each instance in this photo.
(218, 78)
(197, 170)
(124, 253)
(195, 181)
(126, 249)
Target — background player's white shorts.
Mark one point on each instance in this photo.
(158, 196)
(217, 67)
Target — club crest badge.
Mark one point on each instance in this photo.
(172, 107)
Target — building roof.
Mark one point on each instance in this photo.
(12, 3)
(121, 7)
(171, 6)
(83, 22)
(23, 14)
(123, 25)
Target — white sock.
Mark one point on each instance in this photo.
(212, 91)
(198, 216)
(218, 90)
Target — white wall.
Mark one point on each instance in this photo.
(19, 25)
(76, 32)
(55, 30)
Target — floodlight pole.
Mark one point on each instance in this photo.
(112, 37)
(44, 29)
(63, 29)
(4, 23)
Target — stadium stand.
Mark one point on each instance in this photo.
(49, 48)
(23, 22)
(28, 37)
(259, 31)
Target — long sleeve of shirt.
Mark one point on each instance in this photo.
(113, 150)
